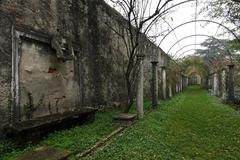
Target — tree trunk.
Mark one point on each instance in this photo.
(129, 96)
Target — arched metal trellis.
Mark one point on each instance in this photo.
(191, 50)
(189, 36)
(194, 21)
(200, 35)
(211, 61)
(189, 45)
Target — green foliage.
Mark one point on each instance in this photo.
(82, 137)
(234, 45)
(194, 65)
(193, 125)
(6, 147)
(173, 72)
(214, 47)
(75, 139)
(229, 11)
(223, 8)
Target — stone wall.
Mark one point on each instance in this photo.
(5, 66)
(61, 55)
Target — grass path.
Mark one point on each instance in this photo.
(193, 125)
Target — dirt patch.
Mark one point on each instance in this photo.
(45, 153)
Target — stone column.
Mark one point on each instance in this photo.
(230, 84)
(224, 82)
(215, 84)
(174, 89)
(177, 88)
(206, 82)
(209, 82)
(181, 83)
(170, 90)
(154, 85)
(164, 82)
(140, 84)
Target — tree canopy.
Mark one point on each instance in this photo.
(223, 8)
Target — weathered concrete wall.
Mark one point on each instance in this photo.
(46, 81)
(5, 66)
(93, 76)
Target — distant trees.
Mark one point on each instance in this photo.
(194, 63)
(228, 9)
(218, 50)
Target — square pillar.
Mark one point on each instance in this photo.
(140, 84)
(224, 87)
(215, 84)
(230, 84)
(170, 90)
(154, 85)
(164, 82)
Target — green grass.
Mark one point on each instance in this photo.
(193, 125)
(76, 139)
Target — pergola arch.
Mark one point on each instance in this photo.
(194, 35)
(189, 36)
(193, 50)
(191, 45)
(194, 21)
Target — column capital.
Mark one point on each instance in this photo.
(140, 57)
(154, 62)
(230, 65)
(223, 69)
(213, 73)
(163, 67)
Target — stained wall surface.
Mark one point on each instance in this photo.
(93, 73)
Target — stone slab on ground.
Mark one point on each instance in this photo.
(125, 119)
(46, 153)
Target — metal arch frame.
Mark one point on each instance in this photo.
(188, 51)
(173, 31)
(185, 47)
(195, 44)
(191, 45)
(196, 49)
(193, 50)
(204, 35)
(192, 21)
(200, 35)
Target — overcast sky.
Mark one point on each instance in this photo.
(185, 13)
